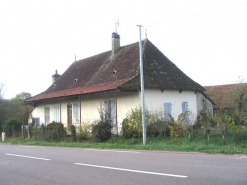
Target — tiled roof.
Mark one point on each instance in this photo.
(225, 96)
(95, 74)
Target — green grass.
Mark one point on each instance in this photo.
(197, 143)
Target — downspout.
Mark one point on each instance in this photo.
(44, 114)
(80, 112)
(60, 111)
(116, 110)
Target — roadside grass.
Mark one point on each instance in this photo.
(197, 143)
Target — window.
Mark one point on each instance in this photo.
(110, 106)
(167, 111)
(56, 113)
(47, 115)
(185, 107)
(36, 122)
(75, 113)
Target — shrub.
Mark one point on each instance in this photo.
(157, 125)
(132, 125)
(158, 128)
(55, 132)
(101, 131)
(16, 123)
(52, 132)
(85, 131)
(73, 133)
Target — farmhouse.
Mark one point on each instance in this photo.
(113, 78)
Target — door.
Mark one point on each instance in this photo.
(69, 115)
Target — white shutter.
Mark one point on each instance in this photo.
(185, 107)
(75, 113)
(167, 111)
(36, 122)
(56, 113)
(47, 115)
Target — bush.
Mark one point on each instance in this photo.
(16, 123)
(158, 128)
(52, 132)
(85, 131)
(55, 132)
(101, 131)
(132, 125)
(73, 133)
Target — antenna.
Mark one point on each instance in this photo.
(117, 25)
(75, 57)
(146, 35)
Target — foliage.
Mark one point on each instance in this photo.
(12, 122)
(73, 133)
(52, 132)
(101, 131)
(85, 131)
(176, 127)
(132, 125)
(206, 120)
(14, 108)
(158, 126)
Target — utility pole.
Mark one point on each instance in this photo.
(142, 90)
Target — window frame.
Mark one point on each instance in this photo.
(186, 118)
(77, 119)
(167, 119)
(58, 116)
(35, 121)
(49, 120)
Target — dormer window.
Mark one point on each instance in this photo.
(114, 72)
(76, 80)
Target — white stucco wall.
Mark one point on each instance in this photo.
(89, 107)
(203, 103)
(154, 100)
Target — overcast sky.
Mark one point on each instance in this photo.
(206, 39)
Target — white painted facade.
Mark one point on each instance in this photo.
(124, 101)
(155, 99)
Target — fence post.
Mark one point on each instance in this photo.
(23, 131)
(28, 132)
(13, 135)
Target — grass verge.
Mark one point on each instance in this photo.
(215, 145)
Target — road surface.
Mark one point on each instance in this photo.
(32, 165)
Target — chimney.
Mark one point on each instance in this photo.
(115, 43)
(55, 77)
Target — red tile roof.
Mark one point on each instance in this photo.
(225, 96)
(95, 74)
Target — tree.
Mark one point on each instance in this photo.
(19, 109)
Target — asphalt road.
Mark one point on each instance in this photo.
(24, 165)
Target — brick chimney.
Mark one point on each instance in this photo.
(55, 77)
(115, 43)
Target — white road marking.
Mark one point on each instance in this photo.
(31, 146)
(28, 157)
(113, 151)
(129, 170)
